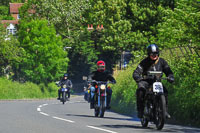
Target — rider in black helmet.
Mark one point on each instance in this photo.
(151, 63)
(65, 81)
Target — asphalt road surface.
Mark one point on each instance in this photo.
(51, 116)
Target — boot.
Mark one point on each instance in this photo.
(58, 95)
(92, 103)
(108, 102)
(166, 113)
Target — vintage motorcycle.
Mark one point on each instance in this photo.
(64, 92)
(155, 102)
(100, 97)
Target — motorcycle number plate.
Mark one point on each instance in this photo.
(157, 87)
(64, 89)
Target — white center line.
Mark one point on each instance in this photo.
(101, 129)
(63, 119)
(38, 109)
(44, 113)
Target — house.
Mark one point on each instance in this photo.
(11, 24)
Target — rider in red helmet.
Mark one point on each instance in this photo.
(101, 75)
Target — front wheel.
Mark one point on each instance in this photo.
(102, 108)
(144, 119)
(160, 112)
(63, 97)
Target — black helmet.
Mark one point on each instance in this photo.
(65, 75)
(152, 48)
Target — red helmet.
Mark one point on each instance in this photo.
(101, 66)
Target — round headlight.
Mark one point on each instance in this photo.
(103, 87)
(64, 86)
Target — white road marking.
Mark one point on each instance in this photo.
(38, 109)
(63, 119)
(45, 104)
(101, 129)
(44, 113)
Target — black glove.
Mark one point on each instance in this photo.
(170, 79)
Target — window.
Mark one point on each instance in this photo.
(11, 29)
(18, 17)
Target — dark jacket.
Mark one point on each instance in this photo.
(148, 65)
(65, 82)
(102, 76)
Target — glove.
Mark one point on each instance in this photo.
(170, 79)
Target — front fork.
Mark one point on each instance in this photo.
(104, 96)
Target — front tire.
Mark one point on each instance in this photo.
(102, 108)
(63, 97)
(160, 112)
(144, 119)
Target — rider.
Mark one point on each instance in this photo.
(151, 63)
(67, 82)
(101, 75)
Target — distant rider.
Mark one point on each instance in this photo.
(151, 63)
(67, 82)
(101, 75)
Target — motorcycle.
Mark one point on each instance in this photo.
(87, 94)
(64, 92)
(100, 98)
(155, 102)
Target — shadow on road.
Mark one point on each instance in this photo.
(111, 118)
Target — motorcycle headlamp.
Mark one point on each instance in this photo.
(64, 86)
(103, 87)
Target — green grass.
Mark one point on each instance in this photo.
(16, 90)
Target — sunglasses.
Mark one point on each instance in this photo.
(154, 54)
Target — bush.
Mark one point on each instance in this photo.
(184, 95)
(16, 90)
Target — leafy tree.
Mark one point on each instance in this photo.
(180, 26)
(9, 51)
(4, 13)
(44, 58)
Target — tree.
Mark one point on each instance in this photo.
(44, 59)
(9, 51)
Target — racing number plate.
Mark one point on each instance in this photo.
(157, 87)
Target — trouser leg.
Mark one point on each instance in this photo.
(59, 94)
(69, 93)
(92, 92)
(140, 94)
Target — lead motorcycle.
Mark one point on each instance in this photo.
(155, 103)
(100, 98)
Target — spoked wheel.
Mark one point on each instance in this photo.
(102, 108)
(144, 119)
(160, 113)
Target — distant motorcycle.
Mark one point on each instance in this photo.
(64, 91)
(155, 103)
(100, 98)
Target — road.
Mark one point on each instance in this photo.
(50, 116)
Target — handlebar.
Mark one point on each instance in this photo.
(100, 82)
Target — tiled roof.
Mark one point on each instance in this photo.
(10, 21)
(14, 7)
